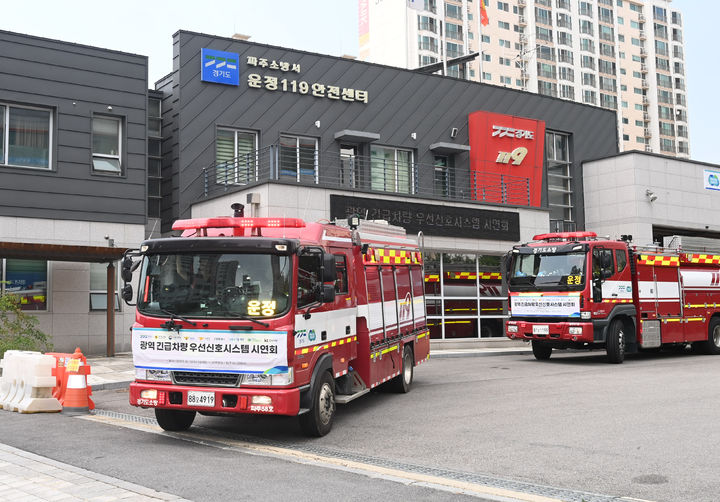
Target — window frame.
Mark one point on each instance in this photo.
(48, 285)
(5, 135)
(236, 177)
(298, 170)
(121, 150)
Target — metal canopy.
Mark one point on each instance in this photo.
(356, 136)
(84, 254)
(60, 252)
(448, 148)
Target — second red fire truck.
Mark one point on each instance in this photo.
(274, 316)
(573, 290)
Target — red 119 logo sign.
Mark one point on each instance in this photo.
(519, 153)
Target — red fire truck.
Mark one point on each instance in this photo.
(573, 290)
(274, 316)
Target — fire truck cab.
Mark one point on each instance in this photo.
(573, 290)
(273, 316)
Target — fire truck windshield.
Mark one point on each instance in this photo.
(215, 285)
(541, 271)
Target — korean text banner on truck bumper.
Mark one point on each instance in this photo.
(545, 306)
(210, 350)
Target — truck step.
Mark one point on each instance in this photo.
(346, 398)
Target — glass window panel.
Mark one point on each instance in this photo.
(403, 171)
(153, 188)
(557, 183)
(106, 165)
(155, 127)
(28, 280)
(561, 147)
(153, 107)
(98, 276)
(154, 147)
(432, 274)
(288, 156)
(307, 148)
(461, 308)
(29, 137)
(461, 328)
(98, 301)
(154, 208)
(106, 136)
(154, 167)
(559, 198)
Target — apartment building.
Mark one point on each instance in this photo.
(617, 54)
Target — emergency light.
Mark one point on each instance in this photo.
(237, 223)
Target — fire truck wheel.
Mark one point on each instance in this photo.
(540, 351)
(712, 346)
(615, 343)
(174, 420)
(319, 420)
(401, 383)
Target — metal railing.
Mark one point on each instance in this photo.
(356, 173)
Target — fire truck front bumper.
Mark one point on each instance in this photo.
(215, 399)
(573, 332)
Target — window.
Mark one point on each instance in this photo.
(503, 6)
(567, 92)
(588, 79)
(559, 177)
(606, 33)
(608, 101)
(662, 48)
(106, 140)
(547, 88)
(588, 62)
(542, 16)
(485, 39)
(308, 278)
(441, 182)
(454, 50)
(98, 287)
(503, 25)
(543, 33)
(487, 76)
(25, 136)
(427, 43)
(626, 137)
(299, 158)
(26, 279)
(545, 70)
(545, 52)
(564, 21)
(667, 145)
(587, 45)
(391, 169)
(625, 105)
(235, 157)
(586, 9)
(341, 283)
(606, 67)
(427, 24)
(564, 38)
(453, 11)
(566, 74)
(589, 97)
(586, 27)
(664, 80)
(504, 61)
(486, 57)
(453, 31)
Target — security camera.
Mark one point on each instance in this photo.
(107, 237)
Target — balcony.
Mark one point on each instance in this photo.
(642, 35)
(646, 116)
(522, 21)
(643, 68)
(354, 173)
(647, 133)
(645, 84)
(641, 18)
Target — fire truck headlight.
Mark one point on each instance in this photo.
(586, 315)
(512, 328)
(262, 379)
(157, 375)
(575, 330)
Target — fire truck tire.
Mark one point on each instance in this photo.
(540, 351)
(319, 419)
(174, 420)
(401, 383)
(615, 342)
(712, 345)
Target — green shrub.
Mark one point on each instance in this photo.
(18, 330)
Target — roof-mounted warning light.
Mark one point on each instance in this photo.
(201, 225)
(565, 236)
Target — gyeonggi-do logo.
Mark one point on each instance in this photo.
(713, 180)
(219, 67)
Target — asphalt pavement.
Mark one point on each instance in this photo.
(29, 477)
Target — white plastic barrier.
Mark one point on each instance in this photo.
(31, 382)
(10, 376)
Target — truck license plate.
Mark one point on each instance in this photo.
(541, 329)
(197, 398)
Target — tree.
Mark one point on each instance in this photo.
(18, 330)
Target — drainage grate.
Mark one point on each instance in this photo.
(468, 477)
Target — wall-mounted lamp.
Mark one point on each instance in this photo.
(453, 132)
(109, 108)
(317, 124)
(650, 195)
(413, 135)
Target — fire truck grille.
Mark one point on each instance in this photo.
(205, 379)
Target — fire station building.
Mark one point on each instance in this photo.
(92, 162)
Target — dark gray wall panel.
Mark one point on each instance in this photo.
(76, 82)
(400, 102)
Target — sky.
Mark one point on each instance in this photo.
(323, 26)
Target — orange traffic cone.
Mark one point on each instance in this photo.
(77, 393)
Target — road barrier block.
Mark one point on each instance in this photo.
(27, 382)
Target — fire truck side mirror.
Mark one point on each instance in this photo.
(127, 293)
(326, 293)
(329, 272)
(126, 269)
